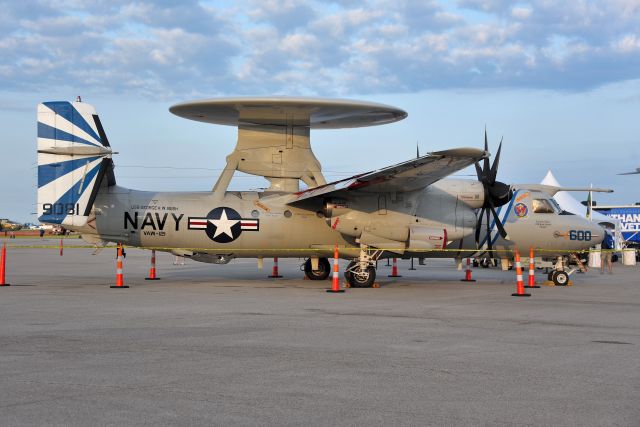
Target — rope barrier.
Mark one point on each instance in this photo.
(327, 249)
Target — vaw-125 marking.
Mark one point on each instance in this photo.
(407, 210)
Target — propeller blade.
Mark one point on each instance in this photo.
(479, 227)
(478, 171)
(495, 194)
(494, 167)
(489, 244)
(499, 225)
(486, 168)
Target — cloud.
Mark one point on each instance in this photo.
(285, 15)
(175, 49)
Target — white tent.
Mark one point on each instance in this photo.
(568, 203)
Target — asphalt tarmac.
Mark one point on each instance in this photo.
(224, 345)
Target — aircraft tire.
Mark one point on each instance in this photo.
(324, 269)
(560, 278)
(360, 281)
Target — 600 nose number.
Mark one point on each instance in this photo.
(580, 235)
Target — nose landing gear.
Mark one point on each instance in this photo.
(559, 278)
(561, 272)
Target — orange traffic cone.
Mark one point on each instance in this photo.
(119, 275)
(3, 265)
(394, 269)
(532, 271)
(274, 272)
(335, 285)
(467, 275)
(152, 269)
(519, 283)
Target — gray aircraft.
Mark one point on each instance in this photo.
(406, 210)
(636, 172)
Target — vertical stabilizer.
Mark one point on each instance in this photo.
(590, 203)
(74, 158)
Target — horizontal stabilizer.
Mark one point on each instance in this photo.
(552, 189)
(77, 151)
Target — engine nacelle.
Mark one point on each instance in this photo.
(421, 237)
(468, 192)
(334, 207)
(354, 218)
(416, 220)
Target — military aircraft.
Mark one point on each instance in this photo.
(636, 172)
(410, 209)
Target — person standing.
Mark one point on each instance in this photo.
(607, 246)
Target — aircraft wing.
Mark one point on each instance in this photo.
(407, 176)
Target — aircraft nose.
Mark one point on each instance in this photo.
(597, 233)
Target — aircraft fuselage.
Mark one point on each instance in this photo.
(253, 224)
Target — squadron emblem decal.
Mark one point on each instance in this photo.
(223, 225)
(521, 210)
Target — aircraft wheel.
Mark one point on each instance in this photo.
(484, 263)
(323, 271)
(560, 278)
(347, 273)
(360, 278)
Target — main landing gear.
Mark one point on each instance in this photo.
(361, 272)
(323, 271)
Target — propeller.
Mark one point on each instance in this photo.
(496, 194)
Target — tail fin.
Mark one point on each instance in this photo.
(74, 157)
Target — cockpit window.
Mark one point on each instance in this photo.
(542, 206)
(559, 208)
(555, 204)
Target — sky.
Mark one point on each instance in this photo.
(558, 81)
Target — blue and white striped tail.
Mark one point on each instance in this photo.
(73, 158)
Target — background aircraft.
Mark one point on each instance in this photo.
(409, 209)
(637, 171)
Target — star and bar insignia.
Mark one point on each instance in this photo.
(224, 225)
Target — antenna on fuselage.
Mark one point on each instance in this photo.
(590, 203)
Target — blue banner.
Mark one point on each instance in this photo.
(629, 221)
